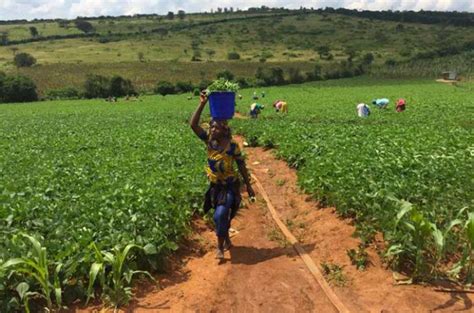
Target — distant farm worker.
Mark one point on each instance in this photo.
(240, 97)
(255, 97)
(281, 106)
(223, 194)
(255, 109)
(400, 105)
(381, 103)
(363, 110)
(263, 94)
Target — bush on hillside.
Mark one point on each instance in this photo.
(233, 56)
(96, 86)
(17, 89)
(63, 93)
(164, 88)
(225, 74)
(24, 59)
(295, 76)
(84, 26)
(182, 87)
(120, 87)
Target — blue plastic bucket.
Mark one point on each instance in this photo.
(222, 105)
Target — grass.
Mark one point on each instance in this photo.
(289, 40)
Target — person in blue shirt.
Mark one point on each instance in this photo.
(381, 103)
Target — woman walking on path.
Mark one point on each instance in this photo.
(224, 191)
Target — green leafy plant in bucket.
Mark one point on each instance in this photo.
(222, 85)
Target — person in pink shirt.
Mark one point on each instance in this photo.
(281, 106)
(400, 106)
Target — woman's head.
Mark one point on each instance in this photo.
(219, 129)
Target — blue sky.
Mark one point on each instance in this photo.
(29, 9)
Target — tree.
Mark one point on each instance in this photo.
(210, 53)
(96, 86)
(162, 32)
(170, 15)
(4, 38)
(323, 51)
(351, 54)
(17, 89)
(368, 58)
(225, 74)
(84, 26)
(24, 60)
(181, 14)
(233, 55)
(33, 31)
(182, 87)
(120, 87)
(164, 88)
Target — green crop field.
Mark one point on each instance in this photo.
(87, 178)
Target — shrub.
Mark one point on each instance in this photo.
(164, 88)
(390, 62)
(182, 87)
(63, 93)
(233, 56)
(203, 84)
(96, 86)
(17, 89)
(196, 92)
(295, 76)
(84, 26)
(120, 87)
(24, 60)
(225, 74)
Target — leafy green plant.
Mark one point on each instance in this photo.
(334, 274)
(115, 282)
(220, 85)
(359, 257)
(36, 267)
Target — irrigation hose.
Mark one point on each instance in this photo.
(302, 253)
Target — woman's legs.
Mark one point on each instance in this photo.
(222, 221)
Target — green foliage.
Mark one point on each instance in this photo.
(164, 88)
(84, 26)
(24, 59)
(17, 89)
(233, 55)
(225, 74)
(182, 87)
(120, 87)
(370, 169)
(37, 267)
(115, 283)
(96, 86)
(222, 85)
(94, 173)
(63, 93)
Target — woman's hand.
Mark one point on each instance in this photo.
(203, 98)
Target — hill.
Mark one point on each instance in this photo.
(147, 48)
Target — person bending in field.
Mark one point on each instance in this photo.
(224, 191)
(281, 106)
(363, 110)
(381, 103)
(255, 109)
(400, 105)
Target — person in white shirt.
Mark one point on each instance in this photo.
(363, 110)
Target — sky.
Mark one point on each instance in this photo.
(30, 9)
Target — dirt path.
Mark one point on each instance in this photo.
(262, 273)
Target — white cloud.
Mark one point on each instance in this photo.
(29, 9)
